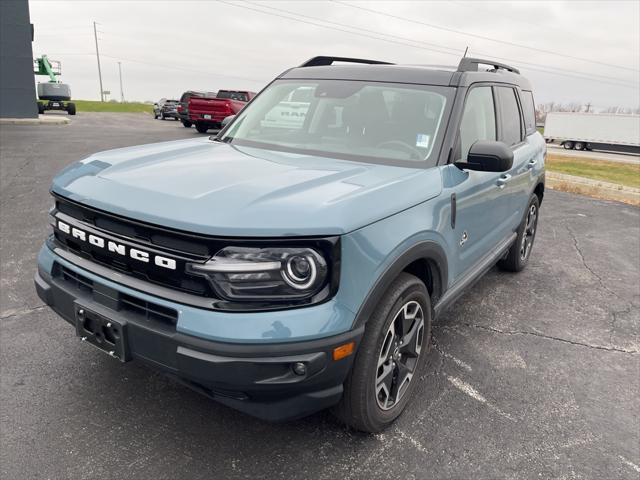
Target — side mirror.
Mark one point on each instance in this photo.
(227, 120)
(488, 156)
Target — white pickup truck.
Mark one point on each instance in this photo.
(291, 112)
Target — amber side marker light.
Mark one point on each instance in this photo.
(343, 350)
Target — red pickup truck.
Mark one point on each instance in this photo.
(208, 112)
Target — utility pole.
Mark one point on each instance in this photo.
(120, 73)
(95, 35)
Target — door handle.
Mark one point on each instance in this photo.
(502, 181)
(532, 163)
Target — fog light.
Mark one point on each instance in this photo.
(299, 368)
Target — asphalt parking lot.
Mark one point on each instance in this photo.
(535, 375)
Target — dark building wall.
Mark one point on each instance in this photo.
(17, 85)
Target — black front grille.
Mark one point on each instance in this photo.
(121, 301)
(187, 243)
(151, 311)
(181, 246)
(79, 281)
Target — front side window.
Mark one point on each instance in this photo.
(352, 120)
(511, 128)
(478, 119)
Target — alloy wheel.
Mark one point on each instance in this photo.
(529, 232)
(399, 354)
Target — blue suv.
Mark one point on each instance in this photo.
(296, 260)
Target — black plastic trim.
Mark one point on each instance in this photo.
(257, 379)
(453, 210)
(326, 60)
(427, 250)
(468, 64)
(472, 275)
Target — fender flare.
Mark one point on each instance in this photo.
(424, 250)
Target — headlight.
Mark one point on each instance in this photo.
(287, 274)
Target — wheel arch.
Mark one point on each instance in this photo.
(426, 260)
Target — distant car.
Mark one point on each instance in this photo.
(166, 109)
(209, 112)
(183, 106)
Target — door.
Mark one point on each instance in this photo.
(479, 203)
(517, 181)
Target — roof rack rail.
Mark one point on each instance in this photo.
(322, 60)
(468, 64)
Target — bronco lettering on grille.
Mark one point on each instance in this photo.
(117, 248)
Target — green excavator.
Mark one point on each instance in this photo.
(52, 95)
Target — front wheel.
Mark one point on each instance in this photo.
(40, 108)
(390, 358)
(71, 108)
(202, 127)
(520, 251)
(568, 145)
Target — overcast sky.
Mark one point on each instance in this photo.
(587, 52)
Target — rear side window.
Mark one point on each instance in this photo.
(240, 96)
(511, 127)
(529, 111)
(478, 119)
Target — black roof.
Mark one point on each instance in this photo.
(466, 73)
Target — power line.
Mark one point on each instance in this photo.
(456, 51)
(329, 27)
(543, 70)
(460, 32)
(183, 69)
(446, 51)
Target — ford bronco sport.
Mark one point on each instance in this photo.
(285, 267)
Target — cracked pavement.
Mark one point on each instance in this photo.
(532, 375)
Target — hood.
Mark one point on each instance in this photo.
(218, 189)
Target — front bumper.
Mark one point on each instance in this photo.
(171, 114)
(255, 378)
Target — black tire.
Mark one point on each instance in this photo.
(40, 108)
(360, 406)
(186, 124)
(520, 252)
(202, 127)
(568, 145)
(71, 108)
(578, 146)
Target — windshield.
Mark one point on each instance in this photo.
(354, 120)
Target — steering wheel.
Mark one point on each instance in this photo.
(404, 146)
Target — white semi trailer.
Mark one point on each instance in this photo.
(594, 131)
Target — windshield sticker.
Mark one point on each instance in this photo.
(422, 140)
